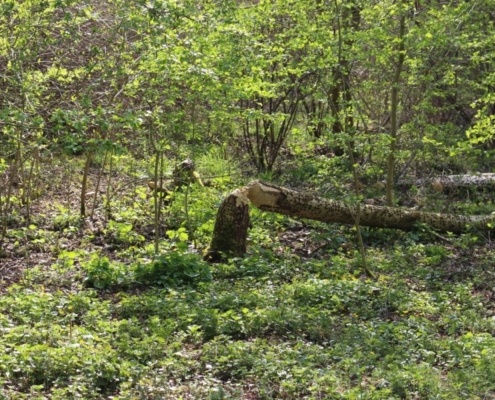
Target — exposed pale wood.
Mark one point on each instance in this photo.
(183, 173)
(186, 172)
(163, 189)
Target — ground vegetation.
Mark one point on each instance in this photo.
(125, 124)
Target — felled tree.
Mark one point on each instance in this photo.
(230, 232)
(453, 182)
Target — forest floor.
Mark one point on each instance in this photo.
(88, 311)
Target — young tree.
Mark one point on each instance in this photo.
(270, 73)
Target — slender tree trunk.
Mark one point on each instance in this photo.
(362, 250)
(27, 194)
(84, 184)
(158, 183)
(98, 180)
(394, 107)
(108, 203)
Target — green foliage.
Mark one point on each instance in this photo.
(173, 268)
(217, 167)
(169, 269)
(88, 310)
(101, 273)
(294, 327)
(122, 233)
(65, 219)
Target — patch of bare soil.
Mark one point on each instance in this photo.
(10, 272)
(302, 240)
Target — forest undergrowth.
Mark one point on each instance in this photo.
(88, 311)
(104, 292)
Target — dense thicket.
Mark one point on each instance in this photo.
(250, 73)
(402, 89)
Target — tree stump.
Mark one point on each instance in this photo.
(231, 227)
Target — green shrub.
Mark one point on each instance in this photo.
(173, 268)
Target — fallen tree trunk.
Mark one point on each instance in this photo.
(230, 233)
(452, 182)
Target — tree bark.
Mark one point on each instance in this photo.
(269, 197)
(232, 221)
(452, 182)
(231, 226)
